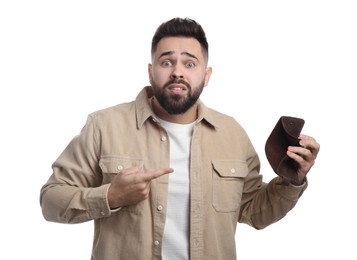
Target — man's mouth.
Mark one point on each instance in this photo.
(177, 88)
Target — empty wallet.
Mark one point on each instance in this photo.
(285, 133)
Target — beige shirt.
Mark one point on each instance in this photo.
(225, 184)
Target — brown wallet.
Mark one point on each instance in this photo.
(285, 133)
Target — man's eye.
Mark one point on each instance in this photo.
(190, 65)
(167, 63)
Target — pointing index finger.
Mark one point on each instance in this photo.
(157, 173)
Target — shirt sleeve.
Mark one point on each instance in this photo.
(265, 203)
(74, 192)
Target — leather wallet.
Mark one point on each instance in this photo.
(285, 133)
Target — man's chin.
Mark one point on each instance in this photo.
(177, 98)
(176, 108)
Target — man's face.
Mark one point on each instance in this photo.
(178, 73)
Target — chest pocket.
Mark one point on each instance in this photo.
(227, 184)
(112, 165)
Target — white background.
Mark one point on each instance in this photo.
(60, 60)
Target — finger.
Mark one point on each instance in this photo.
(302, 152)
(303, 156)
(148, 176)
(309, 143)
(304, 165)
(296, 153)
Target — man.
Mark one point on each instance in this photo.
(165, 177)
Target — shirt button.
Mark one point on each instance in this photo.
(159, 208)
(120, 167)
(163, 138)
(103, 213)
(156, 243)
(233, 170)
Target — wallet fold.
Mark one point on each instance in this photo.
(285, 133)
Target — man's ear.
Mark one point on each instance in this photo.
(208, 75)
(150, 71)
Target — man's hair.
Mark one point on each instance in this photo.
(181, 27)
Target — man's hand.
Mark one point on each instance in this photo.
(304, 156)
(132, 185)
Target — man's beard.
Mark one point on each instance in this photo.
(175, 104)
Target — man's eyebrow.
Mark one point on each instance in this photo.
(189, 55)
(166, 53)
(169, 53)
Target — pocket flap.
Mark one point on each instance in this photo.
(230, 169)
(117, 164)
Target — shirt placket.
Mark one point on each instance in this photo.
(196, 214)
(160, 186)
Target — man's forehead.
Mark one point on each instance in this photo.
(178, 46)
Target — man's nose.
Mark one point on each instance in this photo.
(177, 72)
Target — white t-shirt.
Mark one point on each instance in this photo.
(176, 233)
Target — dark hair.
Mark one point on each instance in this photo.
(181, 27)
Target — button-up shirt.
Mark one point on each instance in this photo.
(225, 184)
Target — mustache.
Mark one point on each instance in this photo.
(177, 81)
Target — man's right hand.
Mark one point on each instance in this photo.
(132, 185)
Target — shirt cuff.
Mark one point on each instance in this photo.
(111, 210)
(115, 210)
